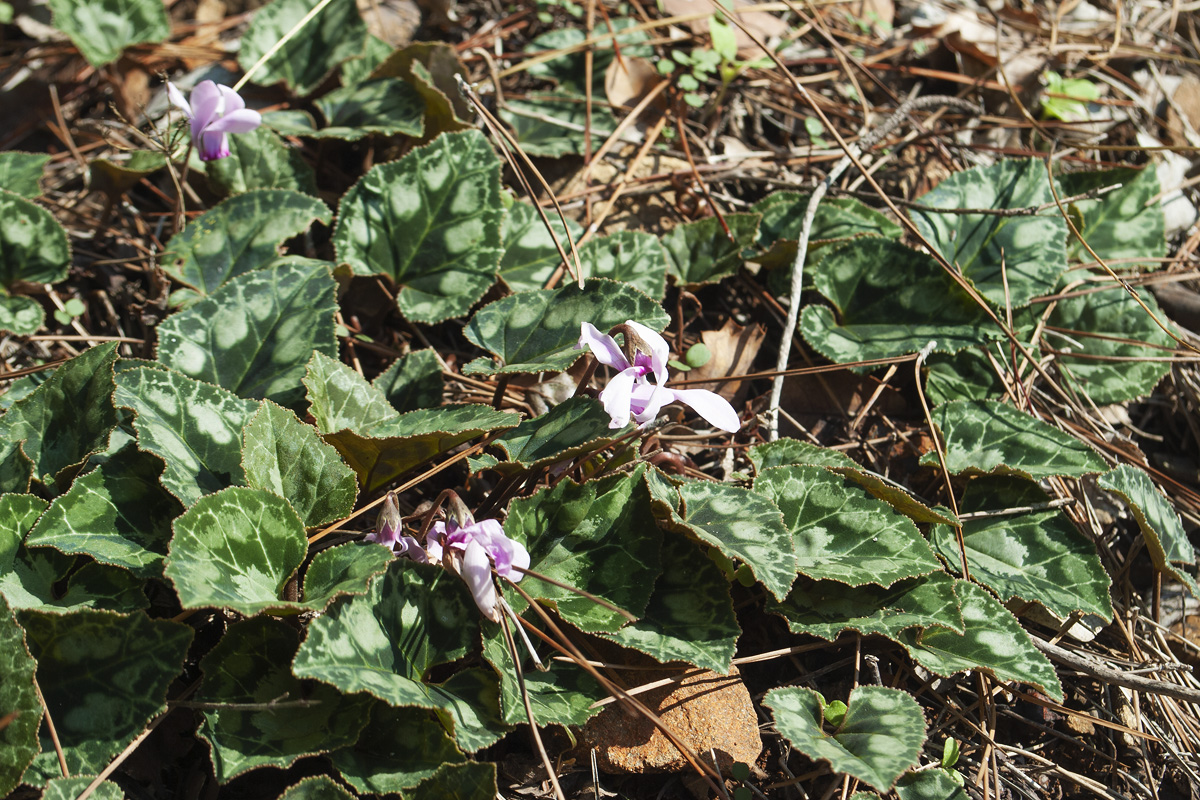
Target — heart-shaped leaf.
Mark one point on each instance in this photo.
(1121, 224)
(20, 315)
(880, 738)
(104, 676)
(33, 246)
(537, 331)
(1028, 252)
(283, 455)
(260, 160)
(236, 549)
(250, 666)
(787, 452)
(838, 219)
(566, 431)
(104, 28)
(386, 106)
(841, 532)
(194, 427)
(238, 235)
(598, 536)
(413, 381)
(255, 335)
(1038, 556)
(930, 784)
(891, 300)
(562, 694)
(1166, 540)
(982, 436)
(21, 173)
(334, 35)
(827, 608)
(530, 255)
(702, 252)
(429, 221)
(321, 787)
(992, 640)
(398, 748)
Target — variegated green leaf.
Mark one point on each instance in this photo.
(563, 694)
(1166, 540)
(838, 219)
(334, 35)
(102, 29)
(880, 738)
(1120, 224)
(21, 173)
(982, 436)
(413, 381)
(429, 221)
(255, 334)
(1038, 556)
(260, 160)
(19, 738)
(566, 431)
(702, 252)
(840, 532)
(196, 428)
(529, 253)
(788, 452)
(398, 748)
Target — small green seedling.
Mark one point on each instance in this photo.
(1074, 95)
(71, 309)
(835, 713)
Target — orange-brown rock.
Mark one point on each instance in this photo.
(706, 710)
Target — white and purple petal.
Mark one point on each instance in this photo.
(711, 406)
(603, 346)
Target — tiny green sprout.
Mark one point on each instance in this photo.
(724, 40)
(688, 82)
(739, 771)
(950, 752)
(679, 365)
(698, 355)
(665, 67)
(71, 309)
(1075, 95)
(835, 713)
(694, 100)
(815, 131)
(341, 331)
(745, 575)
(6, 13)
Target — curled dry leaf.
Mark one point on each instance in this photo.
(627, 80)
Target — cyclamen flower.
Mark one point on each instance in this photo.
(631, 394)
(472, 550)
(215, 111)
(390, 533)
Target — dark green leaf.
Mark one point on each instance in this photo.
(1166, 540)
(283, 455)
(891, 300)
(992, 641)
(537, 331)
(787, 452)
(194, 427)
(33, 246)
(118, 514)
(982, 436)
(345, 569)
(841, 532)
(1037, 556)
(399, 748)
(20, 315)
(385, 106)
(1031, 248)
(930, 784)
(966, 375)
(336, 34)
(469, 781)
(567, 431)
(236, 549)
(430, 222)
(827, 608)
(238, 235)
(1121, 224)
(260, 160)
(837, 219)
(255, 335)
(102, 29)
(250, 665)
(431, 67)
(551, 124)
(561, 695)
(702, 252)
(413, 381)
(71, 788)
(19, 738)
(690, 614)
(880, 738)
(103, 676)
(321, 787)
(529, 252)
(599, 537)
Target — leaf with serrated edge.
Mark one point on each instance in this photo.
(345, 569)
(398, 748)
(468, 781)
(1010, 259)
(598, 536)
(302, 62)
(702, 252)
(118, 514)
(104, 676)
(982, 436)
(566, 431)
(890, 300)
(826, 608)
(880, 738)
(743, 525)
(321, 787)
(561, 695)
(21, 173)
(1037, 556)
(283, 455)
(413, 381)
(690, 615)
(194, 427)
(429, 221)
(537, 331)
(236, 549)
(788, 452)
(250, 665)
(841, 532)
(260, 160)
(992, 641)
(1166, 540)
(255, 335)
(19, 738)
(66, 419)
(71, 788)
(238, 235)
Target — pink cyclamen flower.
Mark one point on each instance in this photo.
(215, 111)
(472, 550)
(389, 531)
(631, 394)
